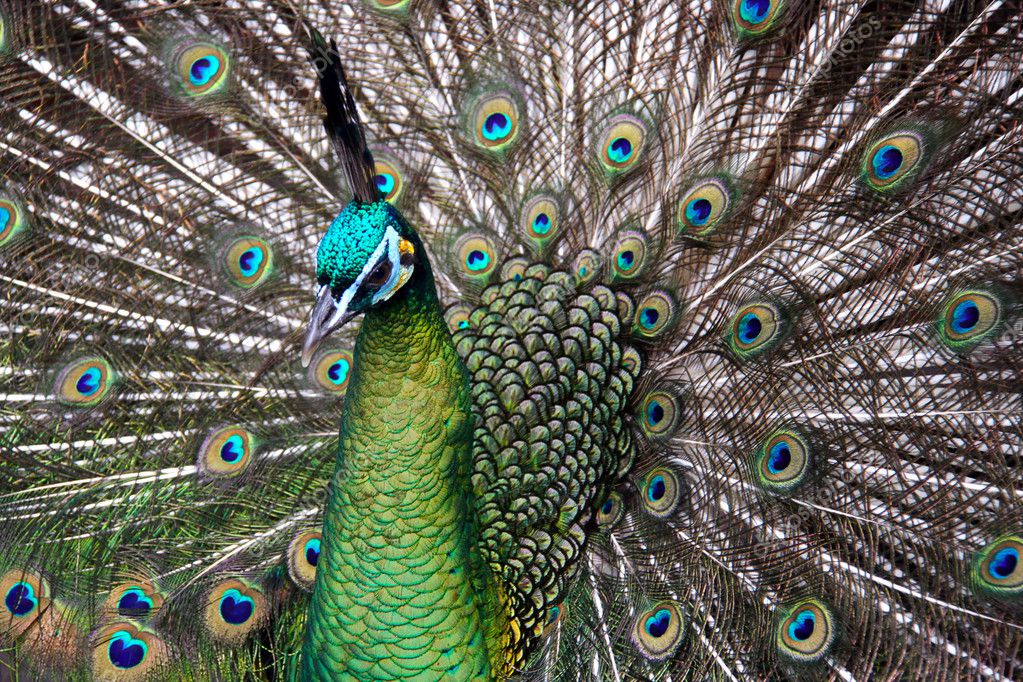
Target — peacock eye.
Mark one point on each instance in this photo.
(380, 274)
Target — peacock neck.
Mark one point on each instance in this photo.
(401, 592)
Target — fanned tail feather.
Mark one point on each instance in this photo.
(738, 284)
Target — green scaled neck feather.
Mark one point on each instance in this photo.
(401, 592)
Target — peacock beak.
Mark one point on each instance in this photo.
(327, 317)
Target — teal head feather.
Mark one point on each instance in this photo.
(368, 254)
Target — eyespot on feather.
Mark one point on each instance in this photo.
(756, 18)
(495, 117)
(586, 266)
(202, 67)
(620, 144)
(656, 313)
(303, 557)
(389, 177)
(805, 632)
(658, 632)
(12, 220)
(659, 413)
(137, 599)
(84, 382)
(629, 255)
(892, 162)
(234, 610)
(611, 510)
(968, 318)
(756, 328)
(556, 615)
(332, 370)
(248, 261)
(25, 594)
(662, 492)
(123, 651)
(457, 317)
(998, 569)
(393, 7)
(539, 220)
(226, 452)
(783, 462)
(514, 269)
(476, 256)
(705, 205)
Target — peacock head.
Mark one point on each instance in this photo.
(366, 257)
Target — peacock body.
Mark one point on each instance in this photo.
(690, 343)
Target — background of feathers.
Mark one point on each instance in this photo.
(130, 195)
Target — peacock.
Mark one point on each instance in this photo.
(485, 340)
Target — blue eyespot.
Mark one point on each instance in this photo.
(620, 144)
(779, 457)
(233, 449)
(965, 317)
(541, 223)
(494, 119)
(89, 382)
(203, 69)
(657, 624)
(626, 259)
(497, 126)
(225, 452)
(608, 505)
(338, 372)
(249, 261)
(894, 160)
(749, 328)
(1003, 563)
(801, 628)
(648, 318)
(655, 314)
(539, 219)
(698, 211)
(20, 599)
(5, 217)
(385, 183)
(887, 161)
(655, 490)
(235, 608)
(755, 11)
(659, 413)
(333, 370)
(806, 632)
(654, 413)
(477, 260)
(756, 328)
(619, 150)
(553, 614)
(134, 602)
(312, 551)
(125, 651)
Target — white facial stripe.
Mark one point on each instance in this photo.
(341, 305)
(391, 239)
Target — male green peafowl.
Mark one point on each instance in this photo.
(691, 344)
